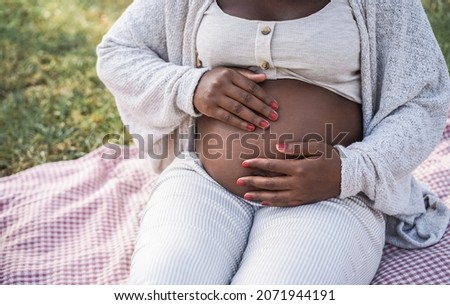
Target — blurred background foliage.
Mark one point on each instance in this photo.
(52, 105)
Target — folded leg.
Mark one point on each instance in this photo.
(330, 242)
(193, 231)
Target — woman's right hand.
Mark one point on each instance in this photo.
(233, 96)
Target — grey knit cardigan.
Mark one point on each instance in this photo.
(147, 60)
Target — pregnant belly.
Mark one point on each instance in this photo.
(306, 113)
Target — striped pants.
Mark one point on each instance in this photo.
(193, 231)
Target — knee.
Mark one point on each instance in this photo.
(180, 265)
(160, 267)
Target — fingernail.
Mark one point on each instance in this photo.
(248, 197)
(251, 127)
(265, 203)
(245, 164)
(274, 105)
(264, 124)
(273, 115)
(240, 182)
(281, 146)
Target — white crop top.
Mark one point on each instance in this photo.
(322, 49)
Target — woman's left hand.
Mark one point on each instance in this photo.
(314, 175)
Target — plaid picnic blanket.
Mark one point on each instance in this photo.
(76, 222)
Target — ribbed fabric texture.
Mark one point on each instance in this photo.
(326, 54)
(195, 232)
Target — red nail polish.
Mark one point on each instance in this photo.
(281, 146)
(240, 182)
(248, 197)
(245, 164)
(264, 124)
(273, 115)
(251, 127)
(274, 105)
(265, 203)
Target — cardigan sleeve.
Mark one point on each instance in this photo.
(411, 96)
(142, 67)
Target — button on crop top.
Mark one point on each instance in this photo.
(322, 49)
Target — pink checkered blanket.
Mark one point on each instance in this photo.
(76, 222)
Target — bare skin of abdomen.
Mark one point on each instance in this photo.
(306, 113)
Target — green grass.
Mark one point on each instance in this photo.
(52, 105)
(439, 14)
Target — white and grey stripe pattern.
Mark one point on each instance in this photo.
(193, 231)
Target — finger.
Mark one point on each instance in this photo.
(277, 183)
(303, 149)
(230, 119)
(281, 166)
(252, 102)
(252, 88)
(282, 204)
(272, 198)
(256, 77)
(244, 113)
